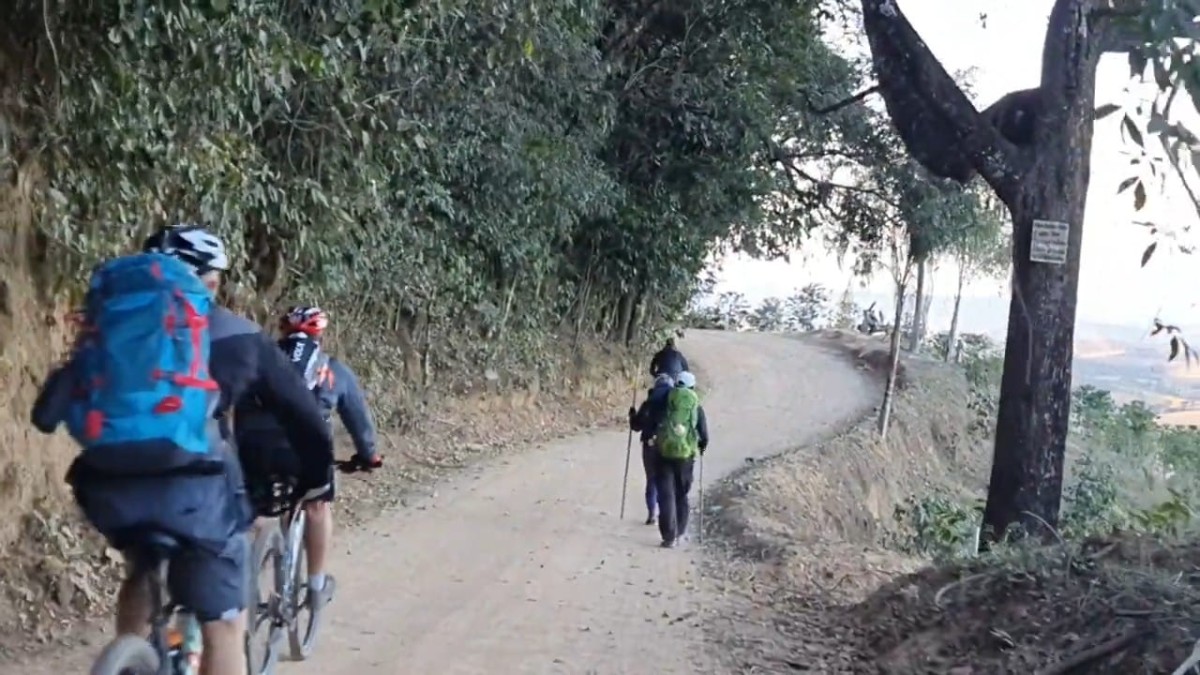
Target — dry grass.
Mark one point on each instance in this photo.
(799, 533)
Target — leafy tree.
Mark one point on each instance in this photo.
(1032, 149)
(807, 308)
(847, 313)
(980, 250)
(733, 310)
(519, 173)
(769, 316)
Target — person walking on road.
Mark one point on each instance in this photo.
(645, 419)
(668, 360)
(680, 437)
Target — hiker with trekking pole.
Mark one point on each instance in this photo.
(645, 419)
(679, 436)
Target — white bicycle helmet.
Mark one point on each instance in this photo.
(686, 379)
(192, 244)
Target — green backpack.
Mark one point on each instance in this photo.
(677, 435)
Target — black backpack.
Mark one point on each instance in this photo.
(310, 360)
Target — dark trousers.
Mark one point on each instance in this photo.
(650, 466)
(674, 482)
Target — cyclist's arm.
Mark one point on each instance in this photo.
(702, 428)
(282, 391)
(50, 408)
(353, 410)
(683, 361)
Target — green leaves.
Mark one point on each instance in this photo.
(485, 167)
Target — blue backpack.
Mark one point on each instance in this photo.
(144, 400)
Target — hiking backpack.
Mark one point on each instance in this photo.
(677, 436)
(144, 399)
(313, 364)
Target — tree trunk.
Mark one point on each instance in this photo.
(635, 317)
(1040, 178)
(1035, 392)
(889, 391)
(622, 317)
(914, 338)
(952, 339)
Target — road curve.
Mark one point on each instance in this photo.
(521, 566)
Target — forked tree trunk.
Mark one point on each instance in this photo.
(1043, 178)
(1035, 391)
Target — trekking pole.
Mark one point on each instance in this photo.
(700, 504)
(628, 451)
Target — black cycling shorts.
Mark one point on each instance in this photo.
(262, 465)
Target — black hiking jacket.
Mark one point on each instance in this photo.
(668, 360)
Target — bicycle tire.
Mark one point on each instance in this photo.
(302, 635)
(267, 549)
(127, 655)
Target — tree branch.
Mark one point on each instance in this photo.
(812, 107)
(927, 106)
(779, 156)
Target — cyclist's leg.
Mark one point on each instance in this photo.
(213, 585)
(109, 506)
(134, 599)
(318, 538)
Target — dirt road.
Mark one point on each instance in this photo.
(523, 566)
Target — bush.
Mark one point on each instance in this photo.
(938, 526)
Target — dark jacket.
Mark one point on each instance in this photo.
(668, 360)
(244, 362)
(256, 427)
(650, 413)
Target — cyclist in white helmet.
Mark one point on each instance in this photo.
(207, 513)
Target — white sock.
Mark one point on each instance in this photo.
(316, 582)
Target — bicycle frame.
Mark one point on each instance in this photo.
(285, 576)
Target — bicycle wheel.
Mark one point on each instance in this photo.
(302, 633)
(127, 655)
(264, 632)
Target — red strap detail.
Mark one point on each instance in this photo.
(169, 404)
(195, 324)
(93, 424)
(198, 383)
(156, 270)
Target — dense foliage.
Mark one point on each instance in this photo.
(478, 179)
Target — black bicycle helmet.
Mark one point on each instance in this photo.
(192, 244)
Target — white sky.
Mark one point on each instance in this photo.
(1006, 56)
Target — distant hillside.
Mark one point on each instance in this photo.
(1123, 359)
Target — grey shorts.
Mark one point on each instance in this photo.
(213, 586)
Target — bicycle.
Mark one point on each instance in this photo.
(162, 653)
(280, 545)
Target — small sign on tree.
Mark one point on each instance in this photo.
(1050, 242)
